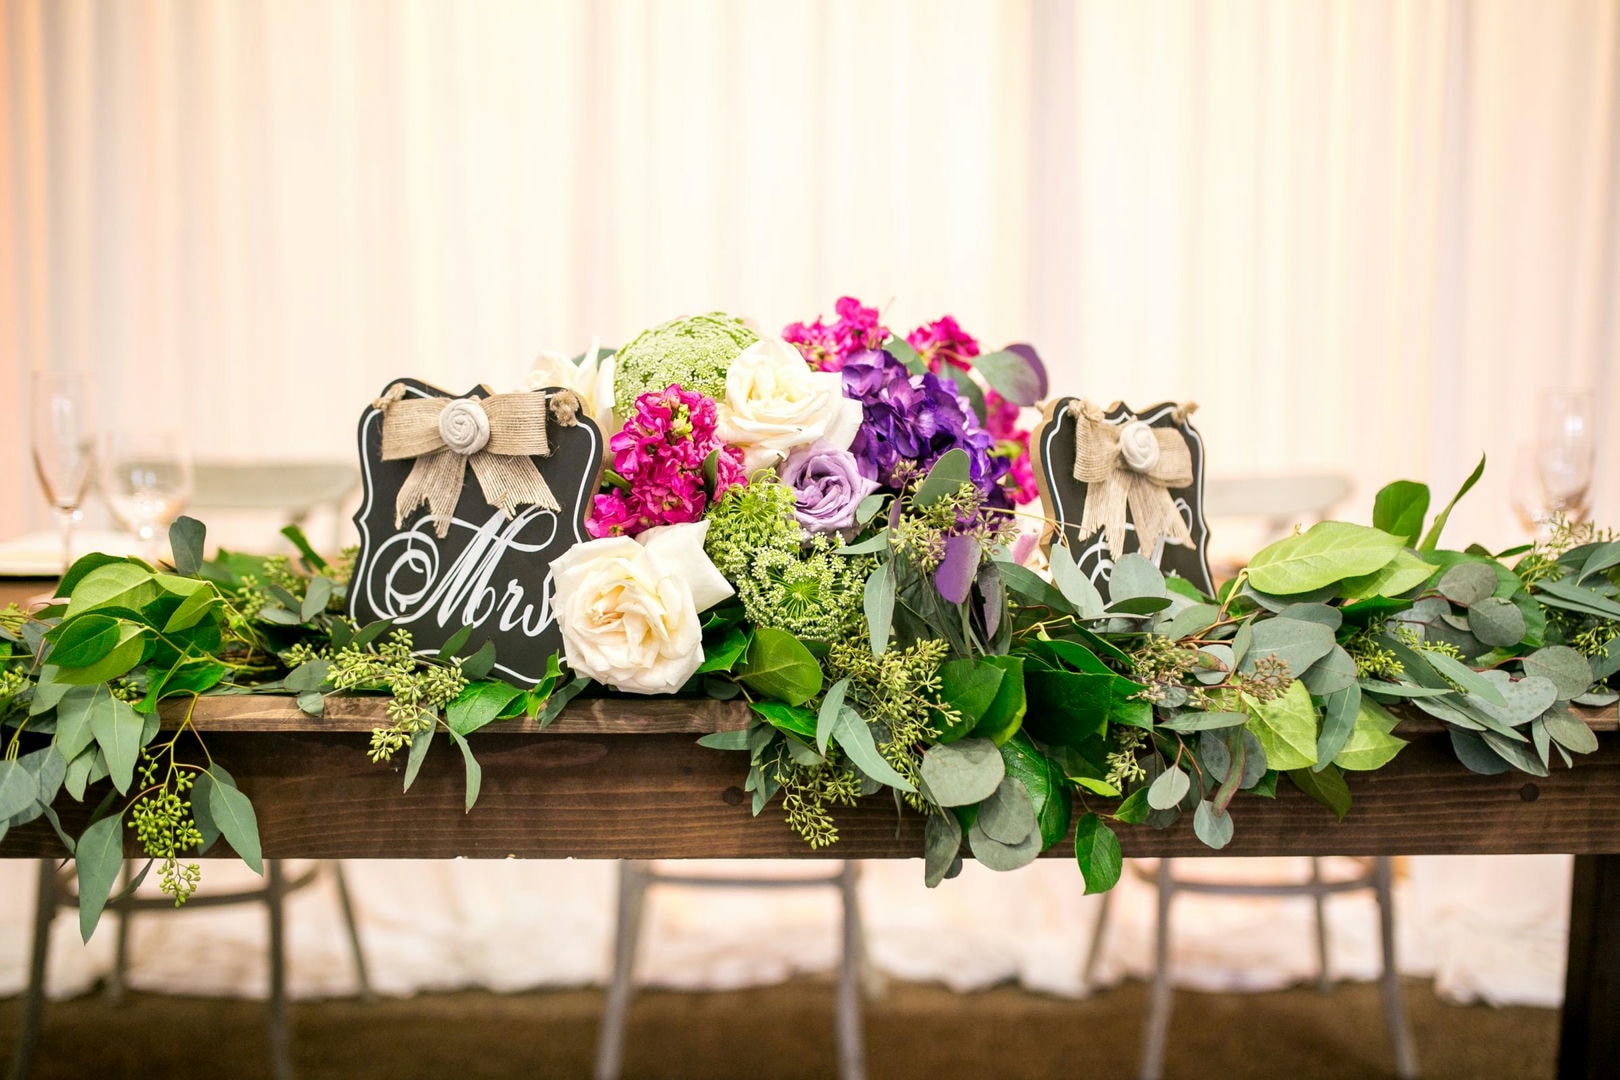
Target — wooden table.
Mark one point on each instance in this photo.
(625, 779)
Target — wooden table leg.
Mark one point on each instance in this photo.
(1589, 1039)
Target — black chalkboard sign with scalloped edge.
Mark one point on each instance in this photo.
(490, 572)
(1052, 447)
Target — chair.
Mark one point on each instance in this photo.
(636, 878)
(1374, 873)
(55, 891)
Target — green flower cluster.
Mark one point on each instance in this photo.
(417, 687)
(694, 352)
(164, 827)
(748, 519)
(807, 791)
(898, 694)
(784, 581)
(814, 594)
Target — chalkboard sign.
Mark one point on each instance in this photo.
(484, 566)
(1064, 496)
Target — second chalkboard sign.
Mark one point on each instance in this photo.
(1117, 480)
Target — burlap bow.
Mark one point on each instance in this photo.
(496, 435)
(1130, 466)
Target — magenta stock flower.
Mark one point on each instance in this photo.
(826, 346)
(944, 342)
(660, 453)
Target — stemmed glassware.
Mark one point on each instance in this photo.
(63, 439)
(146, 478)
(1553, 478)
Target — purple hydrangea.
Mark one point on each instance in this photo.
(916, 418)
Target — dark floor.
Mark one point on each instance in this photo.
(786, 1032)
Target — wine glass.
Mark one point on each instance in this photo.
(146, 478)
(1566, 447)
(63, 437)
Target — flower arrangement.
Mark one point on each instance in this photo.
(828, 526)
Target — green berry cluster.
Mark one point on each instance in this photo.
(164, 826)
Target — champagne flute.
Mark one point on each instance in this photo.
(146, 478)
(63, 436)
(1566, 448)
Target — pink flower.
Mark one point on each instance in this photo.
(944, 342)
(826, 346)
(660, 454)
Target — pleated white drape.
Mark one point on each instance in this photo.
(1360, 234)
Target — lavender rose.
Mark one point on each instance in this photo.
(827, 485)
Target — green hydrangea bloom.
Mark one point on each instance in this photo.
(694, 352)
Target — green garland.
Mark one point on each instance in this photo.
(1027, 709)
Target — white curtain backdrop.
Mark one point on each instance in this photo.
(1361, 235)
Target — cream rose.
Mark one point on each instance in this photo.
(775, 402)
(628, 608)
(591, 379)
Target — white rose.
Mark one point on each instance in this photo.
(591, 379)
(628, 609)
(775, 402)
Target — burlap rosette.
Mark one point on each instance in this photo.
(1130, 468)
(499, 436)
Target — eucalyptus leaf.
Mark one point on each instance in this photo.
(1334, 673)
(19, 788)
(98, 856)
(945, 477)
(1467, 583)
(1003, 857)
(317, 594)
(1475, 755)
(475, 772)
(1518, 754)
(942, 842)
(418, 754)
(1466, 678)
(827, 716)
(117, 728)
(853, 736)
(1134, 576)
(1567, 669)
(878, 602)
(1569, 731)
(233, 814)
(1197, 720)
(1212, 826)
(1339, 712)
(1188, 621)
(725, 740)
(1167, 791)
(1296, 642)
(963, 773)
(1008, 815)
(1072, 582)
(1010, 375)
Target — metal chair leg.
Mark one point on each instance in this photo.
(1400, 1027)
(627, 931)
(851, 1051)
(118, 981)
(1324, 980)
(22, 1055)
(280, 1035)
(1098, 930)
(361, 975)
(1157, 1030)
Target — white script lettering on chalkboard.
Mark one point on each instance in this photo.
(406, 584)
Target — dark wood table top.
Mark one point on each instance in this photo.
(625, 778)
